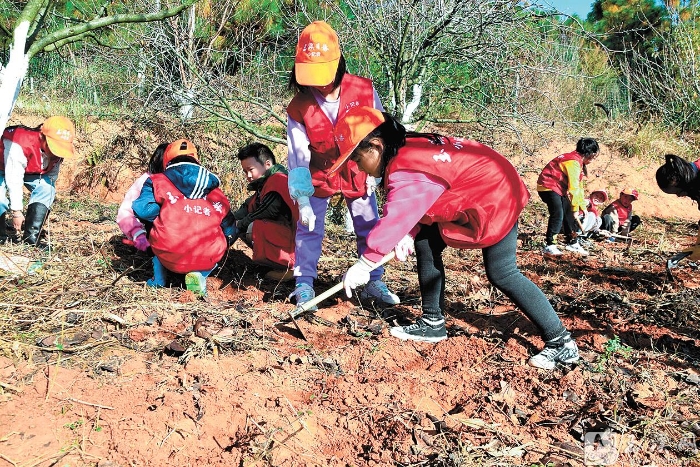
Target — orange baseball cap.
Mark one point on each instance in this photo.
(59, 133)
(317, 56)
(181, 147)
(352, 128)
(629, 191)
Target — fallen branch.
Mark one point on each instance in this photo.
(99, 406)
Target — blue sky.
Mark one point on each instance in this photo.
(581, 7)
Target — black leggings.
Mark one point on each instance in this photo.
(560, 215)
(501, 271)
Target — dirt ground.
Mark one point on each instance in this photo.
(96, 369)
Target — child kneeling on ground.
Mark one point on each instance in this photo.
(618, 218)
(443, 192)
(191, 218)
(266, 221)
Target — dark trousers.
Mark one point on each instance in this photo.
(501, 271)
(607, 223)
(560, 215)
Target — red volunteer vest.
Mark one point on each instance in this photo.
(187, 236)
(484, 195)
(553, 177)
(623, 213)
(349, 180)
(30, 141)
(274, 241)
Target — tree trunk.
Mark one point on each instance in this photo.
(12, 75)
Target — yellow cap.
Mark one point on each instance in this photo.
(317, 55)
(59, 133)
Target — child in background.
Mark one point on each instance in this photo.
(324, 92)
(590, 219)
(134, 230)
(682, 178)
(266, 221)
(191, 217)
(618, 218)
(31, 158)
(560, 187)
(445, 192)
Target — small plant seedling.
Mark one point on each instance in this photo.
(612, 347)
(74, 425)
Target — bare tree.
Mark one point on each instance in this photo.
(227, 73)
(41, 27)
(490, 57)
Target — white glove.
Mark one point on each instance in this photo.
(306, 213)
(299, 183)
(357, 275)
(372, 184)
(405, 248)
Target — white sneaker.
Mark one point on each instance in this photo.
(576, 248)
(553, 354)
(552, 250)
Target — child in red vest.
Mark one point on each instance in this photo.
(590, 219)
(445, 192)
(324, 92)
(618, 217)
(560, 186)
(191, 217)
(266, 221)
(31, 158)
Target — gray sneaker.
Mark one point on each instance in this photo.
(421, 331)
(560, 350)
(379, 291)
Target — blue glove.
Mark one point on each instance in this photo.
(299, 182)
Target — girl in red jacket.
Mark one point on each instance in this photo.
(445, 192)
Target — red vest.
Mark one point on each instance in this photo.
(484, 195)
(274, 241)
(553, 177)
(350, 180)
(623, 213)
(187, 235)
(30, 141)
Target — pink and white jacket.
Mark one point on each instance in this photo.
(128, 222)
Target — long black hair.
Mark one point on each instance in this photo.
(679, 177)
(155, 163)
(394, 135)
(294, 86)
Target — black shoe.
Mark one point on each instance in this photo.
(34, 222)
(421, 330)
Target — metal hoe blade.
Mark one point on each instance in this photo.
(675, 259)
(328, 293)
